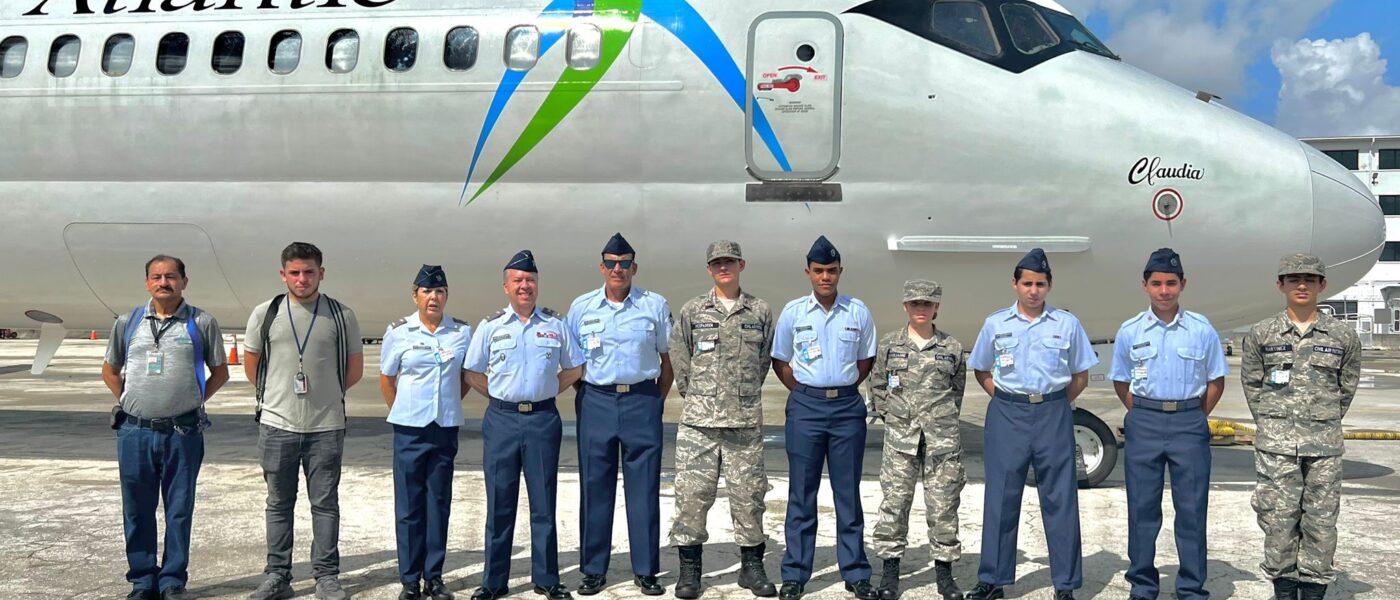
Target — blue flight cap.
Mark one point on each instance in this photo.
(1035, 261)
(522, 261)
(823, 253)
(618, 245)
(430, 276)
(1164, 260)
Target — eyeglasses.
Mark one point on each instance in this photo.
(613, 264)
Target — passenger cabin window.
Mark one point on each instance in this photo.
(284, 53)
(1390, 159)
(966, 24)
(401, 50)
(343, 51)
(459, 53)
(1391, 253)
(172, 53)
(227, 58)
(522, 48)
(1351, 159)
(63, 55)
(1390, 205)
(12, 52)
(585, 47)
(1029, 33)
(117, 53)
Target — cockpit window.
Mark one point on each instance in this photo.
(982, 28)
(1029, 33)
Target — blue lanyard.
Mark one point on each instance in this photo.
(301, 345)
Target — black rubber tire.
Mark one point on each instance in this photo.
(1096, 476)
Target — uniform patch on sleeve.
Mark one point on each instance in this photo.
(751, 326)
(1142, 345)
(952, 358)
(1328, 350)
(704, 325)
(1277, 348)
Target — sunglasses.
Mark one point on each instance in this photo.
(613, 264)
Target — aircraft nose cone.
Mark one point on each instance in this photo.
(1348, 226)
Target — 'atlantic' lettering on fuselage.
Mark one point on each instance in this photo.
(112, 7)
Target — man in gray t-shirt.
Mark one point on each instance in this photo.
(313, 355)
(155, 366)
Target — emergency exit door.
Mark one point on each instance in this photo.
(793, 102)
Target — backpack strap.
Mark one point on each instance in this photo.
(260, 383)
(193, 329)
(129, 331)
(342, 344)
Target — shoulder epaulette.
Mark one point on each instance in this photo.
(496, 315)
(460, 322)
(549, 311)
(399, 323)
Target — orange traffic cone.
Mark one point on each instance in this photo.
(93, 335)
(233, 352)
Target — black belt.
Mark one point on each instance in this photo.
(645, 385)
(1166, 405)
(189, 419)
(840, 391)
(523, 407)
(1059, 394)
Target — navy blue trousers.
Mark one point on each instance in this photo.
(423, 465)
(516, 442)
(1018, 435)
(158, 467)
(615, 427)
(1156, 441)
(830, 431)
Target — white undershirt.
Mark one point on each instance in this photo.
(919, 341)
(727, 303)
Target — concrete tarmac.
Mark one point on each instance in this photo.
(61, 534)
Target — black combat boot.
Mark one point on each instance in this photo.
(752, 577)
(1285, 589)
(947, 587)
(1311, 591)
(688, 585)
(889, 579)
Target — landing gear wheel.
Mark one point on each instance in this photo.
(1096, 445)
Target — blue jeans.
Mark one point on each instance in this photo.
(158, 466)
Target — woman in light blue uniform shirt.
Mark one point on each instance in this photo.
(420, 365)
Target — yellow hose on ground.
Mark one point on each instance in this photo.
(1224, 428)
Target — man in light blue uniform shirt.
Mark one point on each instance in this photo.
(823, 348)
(420, 366)
(1033, 360)
(521, 358)
(1169, 371)
(622, 331)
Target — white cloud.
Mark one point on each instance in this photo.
(1201, 44)
(1335, 87)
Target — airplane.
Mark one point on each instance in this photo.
(937, 139)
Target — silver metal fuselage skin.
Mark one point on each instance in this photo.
(98, 173)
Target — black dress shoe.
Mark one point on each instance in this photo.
(863, 590)
(554, 592)
(485, 593)
(143, 595)
(411, 592)
(437, 590)
(648, 585)
(791, 590)
(592, 584)
(175, 593)
(986, 591)
(1064, 594)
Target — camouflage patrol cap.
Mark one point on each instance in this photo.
(1301, 264)
(723, 249)
(922, 289)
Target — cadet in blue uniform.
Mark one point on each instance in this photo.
(520, 359)
(823, 348)
(622, 331)
(420, 376)
(1169, 370)
(1033, 359)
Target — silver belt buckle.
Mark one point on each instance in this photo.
(832, 393)
(525, 407)
(1036, 398)
(1169, 406)
(623, 388)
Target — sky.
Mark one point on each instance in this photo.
(1312, 68)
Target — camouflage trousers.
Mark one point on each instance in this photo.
(943, 478)
(1297, 499)
(702, 455)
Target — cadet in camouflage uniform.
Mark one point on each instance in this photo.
(1300, 369)
(719, 351)
(917, 388)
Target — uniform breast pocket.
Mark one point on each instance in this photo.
(590, 337)
(1004, 352)
(1193, 360)
(1055, 348)
(1141, 357)
(849, 340)
(1324, 358)
(547, 349)
(641, 332)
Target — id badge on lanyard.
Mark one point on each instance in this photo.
(300, 384)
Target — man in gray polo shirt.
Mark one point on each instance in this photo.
(155, 366)
(311, 356)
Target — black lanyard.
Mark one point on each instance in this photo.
(301, 345)
(165, 325)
